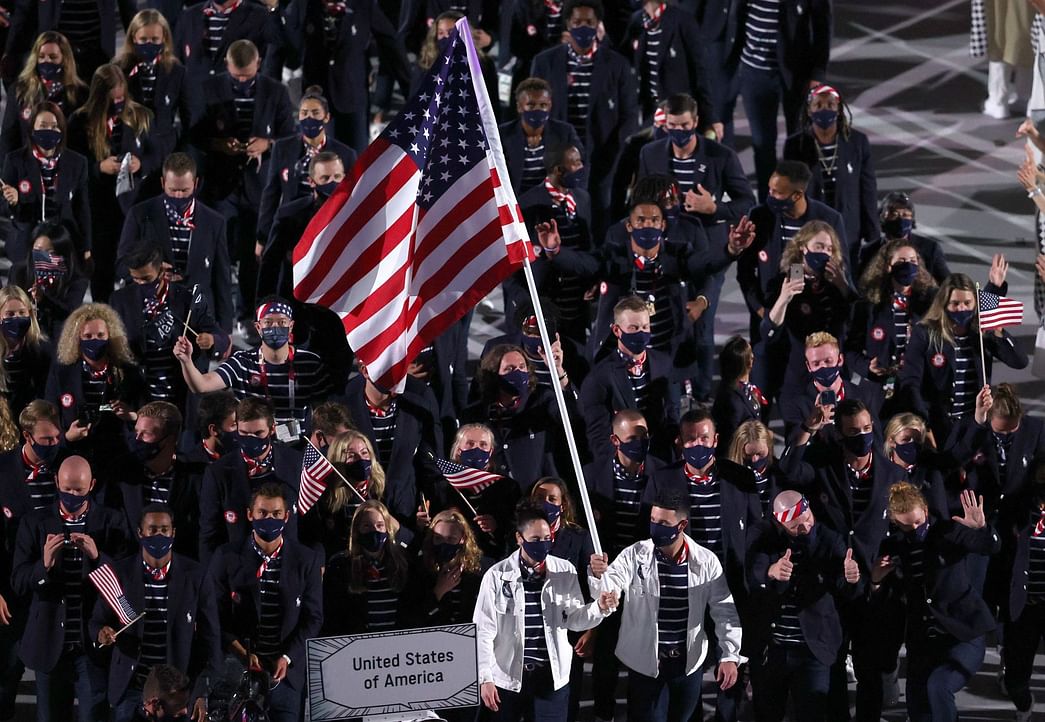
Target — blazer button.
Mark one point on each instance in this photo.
(928, 600)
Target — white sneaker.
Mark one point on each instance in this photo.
(998, 111)
(850, 673)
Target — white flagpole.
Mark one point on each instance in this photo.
(334, 469)
(979, 335)
(506, 197)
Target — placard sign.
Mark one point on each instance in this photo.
(384, 673)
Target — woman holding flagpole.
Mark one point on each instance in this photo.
(949, 356)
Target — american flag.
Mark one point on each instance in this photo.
(314, 472)
(104, 578)
(465, 478)
(998, 311)
(425, 226)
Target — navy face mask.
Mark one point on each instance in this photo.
(475, 457)
(826, 375)
(145, 451)
(148, 51)
(635, 450)
(817, 261)
(898, 227)
(275, 337)
(759, 467)
(904, 272)
(516, 383)
(824, 118)
(860, 444)
(908, 453)
(269, 528)
(552, 511)
(538, 551)
(253, 446)
(583, 35)
(960, 318)
(359, 470)
(15, 327)
(661, 535)
(698, 456)
(920, 532)
(94, 348)
(180, 204)
(72, 502)
(680, 137)
(44, 453)
(573, 179)
(635, 341)
(46, 138)
(311, 127)
(646, 238)
(373, 540)
(158, 546)
(228, 441)
(325, 190)
(535, 118)
(49, 71)
(779, 206)
(444, 553)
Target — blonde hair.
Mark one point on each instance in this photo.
(749, 432)
(899, 423)
(9, 431)
(35, 336)
(822, 338)
(69, 341)
(430, 45)
(29, 89)
(904, 498)
(128, 57)
(135, 117)
(794, 251)
(393, 557)
(876, 284)
(935, 319)
(459, 437)
(470, 557)
(340, 495)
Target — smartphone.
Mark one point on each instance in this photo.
(827, 398)
(797, 272)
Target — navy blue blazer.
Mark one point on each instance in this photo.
(856, 189)
(759, 265)
(740, 512)
(974, 448)
(44, 634)
(250, 21)
(817, 582)
(932, 254)
(225, 497)
(730, 409)
(871, 332)
(14, 505)
(36, 363)
(186, 627)
(818, 470)
(342, 69)
(598, 475)
(15, 130)
(1016, 535)
(418, 436)
(797, 399)
(232, 601)
(208, 265)
(714, 17)
(273, 119)
(22, 171)
(557, 137)
(803, 40)
(276, 271)
(283, 183)
(718, 170)
(170, 103)
(607, 390)
(680, 59)
(613, 113)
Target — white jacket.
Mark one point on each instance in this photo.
(500, 621)
(634, 572)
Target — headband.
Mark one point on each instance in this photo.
(660, 118)
(822, 89)
(268, 309)
(793, 512)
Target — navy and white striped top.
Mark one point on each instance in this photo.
(651, 70)
(900, 320)
(685, 172)
(241, 373)
(72, 584)
(382, 603)
(578, 92)
(158, 489)
(533, 171)
(154, 631)
(41, 488)
(639, 381)
(181, 236)
(963, 392)
(553, 22)
(269, 641)
(828, 155)
(648, 283)
(627, 500)
(535, 644)
(1036, 568)
(95, 390)
(788, 228)
(787, 629)
(384, 425)
(860, 486)
(146, 74)
(215, 29)
(705, 514)
(760, 43)
(244, 104)
(673, 610)
(80, 22)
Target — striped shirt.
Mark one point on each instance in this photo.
(578, 98)
(535, 644)
(705, 513)
(72, 583)
(269, 641)
(39, 481)
(861, 484)
(80, 23)
(650, 68)
(788, 228)
(638, 376)
(685, 172)
(963, 392)
(382, 603)
(146, 75)
(828, 156)
(383, 423)
(553, 22)
(627, 500)
(540, 370)
(760, 43)
(912, 560)
(673, 609)
(786, 627)
(215, 28)
(154, 631)
(157, 490)
(533, 170)
(244, 104)
(1036, 568)
(17, 375)
(95, 390)
(162, 373)
(762, 489)
(900, 320)
(569, 296)
(180, 227)
(648, 284)
(241, 373)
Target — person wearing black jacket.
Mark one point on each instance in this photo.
(667, 54)
(166, 587)
(245, 113)
(290, 163)
(779, 53)
(715, 20)
(946, 618)
(839, 158)
(56, 548)
(52, 277)
(28, 353)
(527, 28)
(229, 482)
(264, 597)
(897, 220)
(190, 235)
(27, 483)
(31, 176)
(533, 137)
(737, 400)
(800, 574)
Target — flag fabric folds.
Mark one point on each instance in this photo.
(423, 229)
(108, 585)
(999, 311)
(465, 478)
(315, 468)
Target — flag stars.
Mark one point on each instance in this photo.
(462, 159)
(414, 148)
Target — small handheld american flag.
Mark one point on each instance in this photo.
(465, 478)
(315, 468)
(999, 311)
(104, 578)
